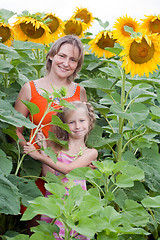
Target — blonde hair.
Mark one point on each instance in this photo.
(69, 39)
(64, 135)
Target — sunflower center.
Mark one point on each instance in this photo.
(125, 33)
(141, 52)
(72, 28)
(83, 15)
(105, 41)
(53, 24)
(5, 34)
(31, 31)
(154, 26)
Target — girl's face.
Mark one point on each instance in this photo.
(78, 122)
(65, 61)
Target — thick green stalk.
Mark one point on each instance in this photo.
(38, 61)
(38, 127)
(19, 164)
(121, 120)
(5, 78)
(31, 139)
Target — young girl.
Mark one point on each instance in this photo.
(81, 121)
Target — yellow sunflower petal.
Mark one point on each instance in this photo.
(6, 34)
(119, 32)
(75, 27)
(54, 25)
(151, 24)
(29, 29)
(84, 15)
(139, 57)
(99, 44)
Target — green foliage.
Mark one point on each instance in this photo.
(91, 213)
(122, 200)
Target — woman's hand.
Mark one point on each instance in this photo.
(40, 139)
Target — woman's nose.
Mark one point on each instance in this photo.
(66, 62)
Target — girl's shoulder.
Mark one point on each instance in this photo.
(91, 151)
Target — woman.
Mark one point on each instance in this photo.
(63, 62)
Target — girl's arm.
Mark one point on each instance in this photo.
(24, 94)
(46, 168)
(88, 156)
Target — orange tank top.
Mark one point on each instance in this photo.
(41, 102)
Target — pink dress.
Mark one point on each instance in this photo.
(65, 158)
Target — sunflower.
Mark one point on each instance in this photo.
(141, 55)
(54, 25)
(84, 15)
(119, 32)
(30, 29)
(6, 34)
(73, 26)
(151, 24)
(99, 44)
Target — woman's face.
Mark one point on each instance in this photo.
(65, 61)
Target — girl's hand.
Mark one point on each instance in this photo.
(31, 151)
(92, 166)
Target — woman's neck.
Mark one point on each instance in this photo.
(56, 81)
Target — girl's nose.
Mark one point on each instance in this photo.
(77, 124)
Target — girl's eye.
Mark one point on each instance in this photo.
(71, 122)
(82, 120)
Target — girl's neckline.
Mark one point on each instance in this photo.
(57, 99)
(74, 155)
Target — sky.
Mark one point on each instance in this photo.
(105, 10)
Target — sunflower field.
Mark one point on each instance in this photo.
(121, 75)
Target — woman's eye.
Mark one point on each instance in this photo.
(73, 60)
(60, 55)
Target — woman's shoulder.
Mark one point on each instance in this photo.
(38, 81)
(25, 92)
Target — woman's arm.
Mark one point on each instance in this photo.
(41, 140)
(83, 95)
(24, 94)
(88, 156)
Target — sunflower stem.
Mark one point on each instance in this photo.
(5, 75)
(38, 60)
(38, 127)
(121, 120)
